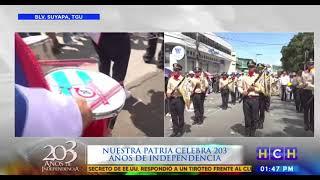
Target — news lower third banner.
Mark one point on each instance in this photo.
(164, 154)
(166, 158)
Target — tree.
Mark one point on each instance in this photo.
(299, 49)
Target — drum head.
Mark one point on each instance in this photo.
(105, 95)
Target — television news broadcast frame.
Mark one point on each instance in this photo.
(138, 149)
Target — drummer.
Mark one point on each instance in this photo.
(47, 114)
(41, 113)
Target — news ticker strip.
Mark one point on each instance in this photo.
(214, 168)
(70, 16)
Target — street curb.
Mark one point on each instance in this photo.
(143, 78)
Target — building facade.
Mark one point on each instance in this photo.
(215, 54)
(242, 64)
(276, 68)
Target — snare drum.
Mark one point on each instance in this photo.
(104, 95)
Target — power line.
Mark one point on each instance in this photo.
(257, 43)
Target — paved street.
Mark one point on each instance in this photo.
(143, 112)
(281, 121)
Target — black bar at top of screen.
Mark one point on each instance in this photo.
(156, 2)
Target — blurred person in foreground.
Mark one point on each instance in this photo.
(39, 112)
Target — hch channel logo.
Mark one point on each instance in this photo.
(277, 153)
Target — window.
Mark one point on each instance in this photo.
(191, 35)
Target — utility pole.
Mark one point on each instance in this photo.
(185, 58)
(197, 49)
(257, 57)
(306, 53)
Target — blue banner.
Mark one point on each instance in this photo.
(58, 16)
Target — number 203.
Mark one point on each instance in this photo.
(65, 152)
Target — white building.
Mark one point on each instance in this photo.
(216, 55)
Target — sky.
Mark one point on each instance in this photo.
(247, 45)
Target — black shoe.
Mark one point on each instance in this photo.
(160, 66)
(247, 132)
(174, 134)
(260, 126)
(179, 134)
(200, 122)
(61, 45)
(148, 59)
(195, 122)
(56, 50)
(252, 133)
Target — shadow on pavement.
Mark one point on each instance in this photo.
(274, 134)
(296, 122)
(187, 128)
(282, 107)
(147, 117)
(290, 131)
(297, 131)
(239, 128)
(193, 118)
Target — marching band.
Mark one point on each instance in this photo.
(254, 89)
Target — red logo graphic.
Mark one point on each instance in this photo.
(85, 92)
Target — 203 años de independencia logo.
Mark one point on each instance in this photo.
(58, 156)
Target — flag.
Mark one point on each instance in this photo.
(185, 90)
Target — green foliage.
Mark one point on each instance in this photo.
(294, 53)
